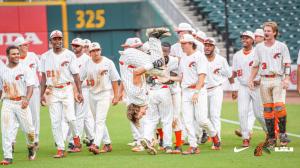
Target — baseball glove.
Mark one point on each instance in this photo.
(260, 148)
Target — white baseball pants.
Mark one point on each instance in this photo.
(194, 114)
(159, 110)
(10, 114)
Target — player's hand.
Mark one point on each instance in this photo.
(115, 101)
(234, 95)
(79, 98)
(285, 83)
(43, 101)
(25, 103)
(251, 85)
(195, 98)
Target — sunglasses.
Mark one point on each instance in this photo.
(75, 46)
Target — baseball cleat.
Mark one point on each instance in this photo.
(94, 149)
(191, 150)
(76, 140)
(31, 152)
(138, 148)
(73, 150)
(246, 143)
(106, 148)
(284, 140)
(59, 154)
(6, 161)
(150, 149)
(238, 133)
(158, 33)
(271, 143)
(88, 142)
(168, 150)
(177, 150)
(216, 143)
(133, 144)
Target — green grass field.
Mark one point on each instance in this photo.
(121, 156)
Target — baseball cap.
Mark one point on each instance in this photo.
(184, 27)
(56, 33)
(86, 42)
(132, 42)
(94, 46)
(20, 41)
(259, 32)
(77, 41)
(210, 40)
(187, 38)
(248, 33)
(200, 34)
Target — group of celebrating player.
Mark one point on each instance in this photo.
(177, 87)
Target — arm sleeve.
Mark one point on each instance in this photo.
(286, 55)
(73, 64)
(201, 64)
(83, 73)
(29, 77)
(256, 60)
(225, 71)
(114, 75)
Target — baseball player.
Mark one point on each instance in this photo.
(86, 46)
(59, 69)
(172, 67)
(259, 36)
(242, 63)
(16, 87)
(193, 70)
(137, 131)
(135, 63)
(102, 78)
(200, 36)
(183, 28)
(218, 72)
(81, 109)
(31, 60)
(298, 73)
(272, 59)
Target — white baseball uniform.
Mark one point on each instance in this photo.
(218, 73)
(242, 65)
(159, 110)
(99, 78)
(82, 110)
(176, 50)
(190, 68)
(59, 70)
(13, 84)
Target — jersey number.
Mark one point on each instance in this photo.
(90, 82)
(239, 72)
(264, 65)
(50, 74)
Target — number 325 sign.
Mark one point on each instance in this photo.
(90, 19)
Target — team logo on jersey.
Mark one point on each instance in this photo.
(192, 64)
(121, 62)
(250, 63)
(20, 76)
(65, 63)
(216, 71)
(277, 55)
(32, 65)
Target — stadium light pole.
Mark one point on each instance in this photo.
(226, 30)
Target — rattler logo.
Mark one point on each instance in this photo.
(192, 64)
(65, 63)
(20, 76)
(32, 65)
(277, 55)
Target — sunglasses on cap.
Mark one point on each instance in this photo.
(75, 45)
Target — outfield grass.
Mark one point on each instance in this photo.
(122, 156)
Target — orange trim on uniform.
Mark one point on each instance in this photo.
(62, 86)
(268, 111)
(269, 115)
(192, 87)
(16, 98)
(178, 141)
(280, 110)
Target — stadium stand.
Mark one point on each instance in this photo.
(249, 15)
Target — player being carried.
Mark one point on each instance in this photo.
(135, 63)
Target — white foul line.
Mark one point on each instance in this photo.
(256, 127)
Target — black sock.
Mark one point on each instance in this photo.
(270, 127)
(282, 124)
